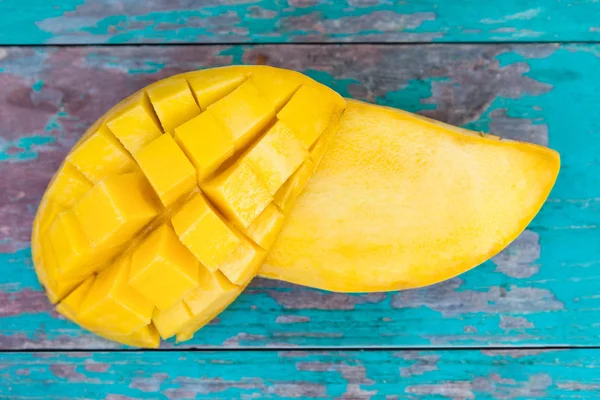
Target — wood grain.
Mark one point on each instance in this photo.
(296, 21)
(542, 290)
(515, 374)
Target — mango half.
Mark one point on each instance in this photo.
(176, 198)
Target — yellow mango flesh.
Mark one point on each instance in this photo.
(174, 200)
(400, 201)
(164, 211)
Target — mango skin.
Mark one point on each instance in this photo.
(402, 201)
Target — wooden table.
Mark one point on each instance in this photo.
(523, 325)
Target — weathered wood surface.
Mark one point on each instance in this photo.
(516, 374)
(290, 21)
(543, 290)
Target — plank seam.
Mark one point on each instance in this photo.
(408, 43)
(307, 349)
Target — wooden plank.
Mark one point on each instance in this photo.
(293, 21)
(516, 374)
(542, 290)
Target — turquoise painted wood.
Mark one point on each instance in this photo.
(291, 21)
(543, 290)
(516, 374)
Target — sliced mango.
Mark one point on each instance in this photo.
(393, 226)
(175, 199)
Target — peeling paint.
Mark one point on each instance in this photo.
(161, 21)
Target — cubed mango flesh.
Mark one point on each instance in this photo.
(112, 305)
(245, 112)
(239, 192)
(165, 210)
(68, 186)
(134, 122)
(213, 85)
(114, 210)
(205, 233)
(100, 156)
(308, 113)
(276, 156)
(167, 168)
(173, 102)
(264, 229)
(206, 142)
(163, 269)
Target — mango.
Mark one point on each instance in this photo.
(182, 193)
(408, 202)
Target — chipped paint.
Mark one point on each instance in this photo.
(459, 374)
(163, 21)
(519, 260)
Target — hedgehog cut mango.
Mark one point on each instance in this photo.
(175, 199)
(167, 207)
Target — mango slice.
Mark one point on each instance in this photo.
(182, 193)
(405, 201)
(165, 210)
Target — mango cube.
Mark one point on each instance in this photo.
(69, 307)
(173, 102)
(206, 301)
(264, 229)
(112, 306)
(206, 142)
(286, 196)
(243, 264)
(74, 255)
(163, 269)
(211, 87)
(134, 123)
(276, 156)
(239, 193)
(47, 270)
(68, 186)
(204, 233)
(277, 88)
(171, 321)
(116, 209)
(167, 168)
(245, 112)
(101, 156)
(147, 336)
(308, 113)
